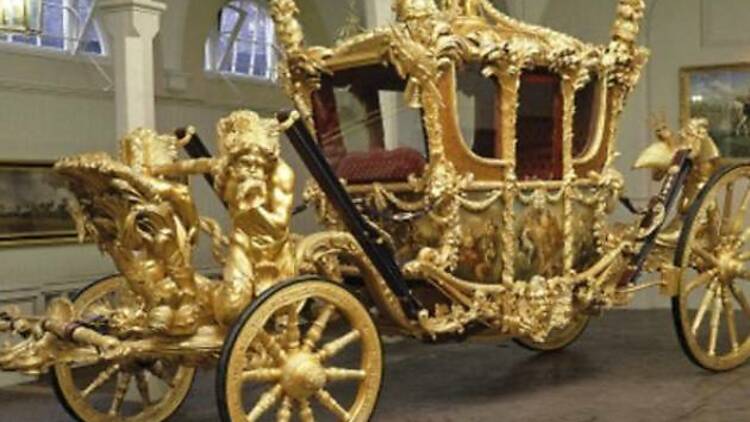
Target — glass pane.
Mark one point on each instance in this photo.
(585, 119)
(53, 32)
(242, 62)
(365, 129)
(91, 39)
(251, 45)
(261, 64)
(539, 127)
(222, 49)
(22, 39)
(229, 19)
(478, 105)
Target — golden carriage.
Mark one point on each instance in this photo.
(462, 166)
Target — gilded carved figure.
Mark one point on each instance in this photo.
(147, 224)
(258, 187)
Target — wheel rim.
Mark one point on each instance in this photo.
(98, 392)
(558, 339)
(286, 357)
(712, 309)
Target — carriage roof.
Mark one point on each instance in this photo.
(474, 30)
(428, 45)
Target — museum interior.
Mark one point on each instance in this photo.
(386, 210)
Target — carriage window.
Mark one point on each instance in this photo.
(365, 129)
(539, 127)
(586, 117)
(478, 102)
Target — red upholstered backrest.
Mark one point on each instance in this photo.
(380, 166)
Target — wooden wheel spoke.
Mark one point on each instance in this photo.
(100, 379)
(726, 212)
(744, 274)
(305, 411)
(285, 410)
(739, 219)
(293, 335)
(292, 332)
(731, 324)
(272, 346)
(141, 381)
(741, 299)
(318, 327)
(258, 358)
(336, 346)
(123, 382)
(106, 393)
(265, 403)
(713, 221)
(262, 375)
(715, 323)
(342, 374)
(699, 281)
(705, 255)
(705, 303)
(160, 372)
(326, 399)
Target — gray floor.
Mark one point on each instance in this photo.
(626, 367)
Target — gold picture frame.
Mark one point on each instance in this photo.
(720, 94)
(33, 205)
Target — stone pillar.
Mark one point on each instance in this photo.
(132, 26)
(172, 43)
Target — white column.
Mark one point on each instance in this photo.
(173, 45)
(132, 26)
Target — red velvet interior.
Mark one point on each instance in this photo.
(381, 166)
(539, 127)
(376, 165)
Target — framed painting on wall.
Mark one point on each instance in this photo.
(720, 94)
(33, 205)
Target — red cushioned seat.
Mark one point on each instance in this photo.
(380, 166)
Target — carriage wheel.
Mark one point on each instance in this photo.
(97, 393)
(559, 338)
(277, 362)
(711, 311)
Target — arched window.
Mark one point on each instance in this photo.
(69, 25)
(243, 42)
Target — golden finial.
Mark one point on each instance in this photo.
(407, 10)
(627, 24)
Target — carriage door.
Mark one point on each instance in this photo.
(365, 128)
(539, 152)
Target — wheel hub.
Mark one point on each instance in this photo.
(303, 375)
(729, 266)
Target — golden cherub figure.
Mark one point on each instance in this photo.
(693, 136)
(147, 223)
